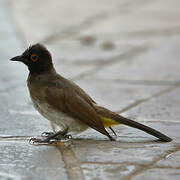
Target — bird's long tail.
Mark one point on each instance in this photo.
(110, 116)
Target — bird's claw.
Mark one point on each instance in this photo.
(67, 136)
(47, 134)
(38, 141)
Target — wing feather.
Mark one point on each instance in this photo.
(76, 106)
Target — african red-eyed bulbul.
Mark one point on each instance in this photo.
(64, 103)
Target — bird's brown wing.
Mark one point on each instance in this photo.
(69, 102)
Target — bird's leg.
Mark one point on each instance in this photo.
(47, 134)
(111, 138)
(51, 138)
(113, 131)
(53, 126)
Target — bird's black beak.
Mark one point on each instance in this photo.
(17, 58)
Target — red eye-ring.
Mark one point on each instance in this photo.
(34, 57)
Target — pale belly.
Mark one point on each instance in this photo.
(59, 118)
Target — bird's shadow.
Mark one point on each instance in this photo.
(118, 140)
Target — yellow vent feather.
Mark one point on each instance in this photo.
(108, 122)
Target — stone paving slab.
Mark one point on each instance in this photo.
(32, 28)
(132, 153)
(160, 63)
(125, 55)
(103, 159)
(117, 17)
(76, 60)
(18, 119)
(13, 92)
(139, 19)
(164, 108)
(116, 95)
(161, 174)
(69, 50)
(171, 161)
(19, 160)
(106, 171)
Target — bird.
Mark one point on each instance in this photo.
(65, 104)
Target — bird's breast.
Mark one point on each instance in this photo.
(59, 118)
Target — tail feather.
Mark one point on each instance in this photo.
(103, 112)
(142, 127)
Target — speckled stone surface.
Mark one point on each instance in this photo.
(125, 54)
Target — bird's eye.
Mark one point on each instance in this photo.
(34, 57)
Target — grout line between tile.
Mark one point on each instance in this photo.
(149, 98)
(72, 164)
(151, 165)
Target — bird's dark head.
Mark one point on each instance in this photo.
(37, 58)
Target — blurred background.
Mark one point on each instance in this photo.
(106, 45)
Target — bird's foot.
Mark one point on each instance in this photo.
(50, 139)
(60, 136)
(41, 141)
(47, 134)
(115, 135)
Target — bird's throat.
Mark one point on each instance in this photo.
(41, 69)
